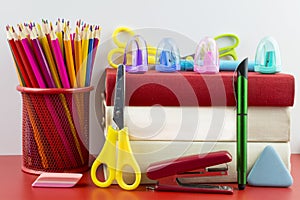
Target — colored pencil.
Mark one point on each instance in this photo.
(59, 35)
(49, 57)
(59, 61)
(32, 61)
(89, 57)
(49, 104)
(24, 80)
(78, 53)
(96, 43)
(46, 29)
(41, 149)
(78, 63)
(42, 60)
(95, 47)
(69, 58)
(32, 80)
(50, 83)
(85, 49)
(65, 82)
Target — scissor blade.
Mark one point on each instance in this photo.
(118, 116)
(190, 55)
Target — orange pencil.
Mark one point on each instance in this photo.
(69, 57)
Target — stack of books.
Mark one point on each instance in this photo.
(170, 115)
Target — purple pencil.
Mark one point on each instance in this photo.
(42, 60)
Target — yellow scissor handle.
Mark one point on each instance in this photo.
(107, 156)
(228, 50)
(151, 54)
(126, 158)
(116, 33)
(231, 53)
(111, 53)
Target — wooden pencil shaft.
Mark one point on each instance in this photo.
(33, 63)
(60, 63)
(69, 59)
(28, 69)
(50, 61)
(42, 62)
(19, 63)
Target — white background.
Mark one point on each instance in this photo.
(251, 20)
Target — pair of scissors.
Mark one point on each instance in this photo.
(121, 47)
(228, 50)
(114, 156)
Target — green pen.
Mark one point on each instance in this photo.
(242, 122)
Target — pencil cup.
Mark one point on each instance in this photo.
(55, 129)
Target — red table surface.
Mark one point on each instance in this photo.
(15, 184)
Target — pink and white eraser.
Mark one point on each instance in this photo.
(57, 180)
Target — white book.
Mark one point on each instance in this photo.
(265, 124)
(147, 152)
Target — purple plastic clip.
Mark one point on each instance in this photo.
(207, 57)
(136, 55)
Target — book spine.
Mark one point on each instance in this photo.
(191, 89)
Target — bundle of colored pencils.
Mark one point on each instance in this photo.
(52, 57)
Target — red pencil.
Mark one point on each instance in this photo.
(19, 54)
(96, 43)
(32, 80)
(18, 59)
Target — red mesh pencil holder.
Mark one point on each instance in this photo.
(55, 129)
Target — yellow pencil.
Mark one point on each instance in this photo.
(45, 27)
(78, 54)
(85, 48)
(69, 57)
(49, 57)
(79, 99)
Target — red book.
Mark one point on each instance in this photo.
(193, 89)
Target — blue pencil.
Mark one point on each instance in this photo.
(89, 59)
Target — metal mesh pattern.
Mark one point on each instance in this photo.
(55, 132)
